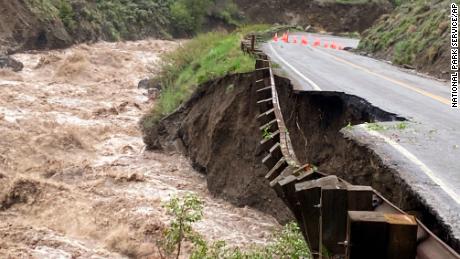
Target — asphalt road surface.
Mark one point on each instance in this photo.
(425, 150)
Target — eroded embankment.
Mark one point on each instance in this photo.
(217, 129)
(317, 123)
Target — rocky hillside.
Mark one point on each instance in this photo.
(40, 24)
(415, 34)
(327, 15)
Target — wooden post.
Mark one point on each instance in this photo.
(381, 236)
(334, 218)
(253, 42)
(309, 197)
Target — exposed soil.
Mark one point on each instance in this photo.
(20, 28)
(217, 129)
(75, 179)
(317, 123)
(324, 15)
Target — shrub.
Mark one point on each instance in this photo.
(188, 15)
(286, 244)
(184, 212)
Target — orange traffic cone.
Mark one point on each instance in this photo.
(317, 42)
(333, 45)
(275, 38)
(326, 45)
(304, 40)
(295, 40)
(285, 38)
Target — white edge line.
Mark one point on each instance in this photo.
(414, 160)
(408, 155)
(315, 86)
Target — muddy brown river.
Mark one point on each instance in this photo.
(75, 179)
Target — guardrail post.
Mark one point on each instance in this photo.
(380, 235)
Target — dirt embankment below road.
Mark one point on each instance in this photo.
(75, 179)
(217, 128)
(317, 124)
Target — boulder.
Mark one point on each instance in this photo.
(144, 84)
(149, 83)
(9, 62)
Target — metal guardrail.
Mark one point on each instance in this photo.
(337, 219)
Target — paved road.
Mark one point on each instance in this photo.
(426, 152)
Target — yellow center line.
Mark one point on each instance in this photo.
(413, 88)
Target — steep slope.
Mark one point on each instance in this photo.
(42, 24)
(217, 129)
(328, 15)
(415, 34)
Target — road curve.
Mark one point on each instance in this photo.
(427, 152)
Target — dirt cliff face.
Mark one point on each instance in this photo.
(20, 28)
(47, 24)
(217, 129)
(327, 15)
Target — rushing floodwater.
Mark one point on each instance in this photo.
(77, 181)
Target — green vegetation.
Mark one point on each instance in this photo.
(379, 127)
(288, 243)
(353, 1)
(349, 126)
(414, 34)
(266, 134)
(401, 126)
(184, 212)
(134, 19)
(206, 57)
(375, 126)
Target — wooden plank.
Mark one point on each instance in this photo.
(330, 180)
(285, 173)
(309, 201)
(334, 218)
(271, 126)
(269, 161)
(366, 235)
(360, 198)
(287, 185)
(265, 105)
(276, 151)
(267, 116)
(276, 170)
(402, 243)
(381, 235)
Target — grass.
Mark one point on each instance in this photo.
(379, 127)
(206, 57)
(414, 34)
